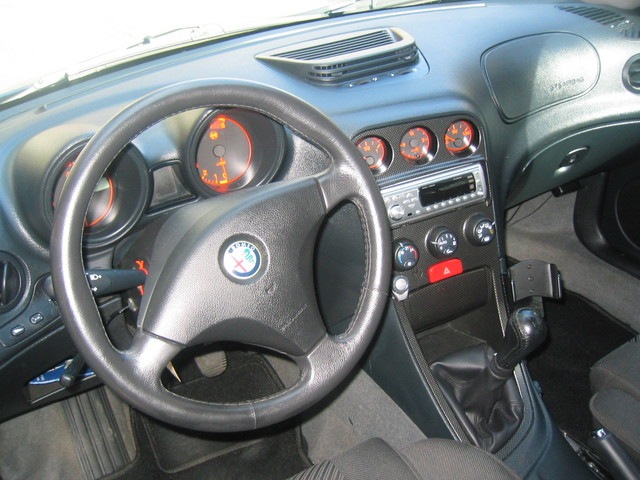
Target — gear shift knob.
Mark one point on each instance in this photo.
(526, 330)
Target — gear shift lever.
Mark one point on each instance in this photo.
(526, 330)
(480, 386)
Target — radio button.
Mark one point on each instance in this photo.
(396, 212)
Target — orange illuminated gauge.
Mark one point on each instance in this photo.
(101, 201)
(416, 146)
(374, 151)
(460, 137)
(224, 154)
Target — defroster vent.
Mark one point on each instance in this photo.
(349, 57)
(607, 18)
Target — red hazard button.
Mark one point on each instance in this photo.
(446, 269)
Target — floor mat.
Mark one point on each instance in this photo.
(580, 333)
(169, 452)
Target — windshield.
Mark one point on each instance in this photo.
(47, 42)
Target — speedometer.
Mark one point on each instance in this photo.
(101, 202)
(118, 199)
(233, 149)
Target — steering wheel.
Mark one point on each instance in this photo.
(237, 267)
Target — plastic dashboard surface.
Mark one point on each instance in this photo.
(38, 135)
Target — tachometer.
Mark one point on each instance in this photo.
(233, 149)
(224, 154)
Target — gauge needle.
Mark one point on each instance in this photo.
(223, 165)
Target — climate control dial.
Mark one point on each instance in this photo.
(479, 230)
(441, 242)
(405, 255)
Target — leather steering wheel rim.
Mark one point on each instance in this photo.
(134, 374)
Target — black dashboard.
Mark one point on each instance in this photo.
(509, 100)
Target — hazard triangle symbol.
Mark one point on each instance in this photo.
(446, 271)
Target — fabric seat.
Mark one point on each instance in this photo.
(615, 405)
(433, 459)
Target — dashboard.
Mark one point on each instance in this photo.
(209, 153)
(493, 104)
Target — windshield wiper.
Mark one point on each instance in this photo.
(356, 6)
(49, 82)
(350, 7)
(196, 32)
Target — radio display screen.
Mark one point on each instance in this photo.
(447, 189)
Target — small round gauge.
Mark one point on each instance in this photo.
(416, 146)
(224, 154)
(460, 137)
(375, 153)
(101, 202)
(233, 149)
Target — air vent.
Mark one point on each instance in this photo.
(632, 33)
(347, 58)
(631, 74)
(602, 16)
(11, 282)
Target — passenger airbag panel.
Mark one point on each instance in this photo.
(531, 73)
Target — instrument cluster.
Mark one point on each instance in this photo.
(200, 153)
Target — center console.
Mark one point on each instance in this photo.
(450, 308)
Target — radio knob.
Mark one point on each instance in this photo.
(396, 212)
(441, 242)
(405, 255)
(479, 230)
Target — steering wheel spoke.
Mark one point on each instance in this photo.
(339, 185)
(150, 354)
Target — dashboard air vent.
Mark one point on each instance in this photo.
(11, 282)
(631, 74)
(349, 57)
(602, 16)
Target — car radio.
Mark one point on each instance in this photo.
(434, 194)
